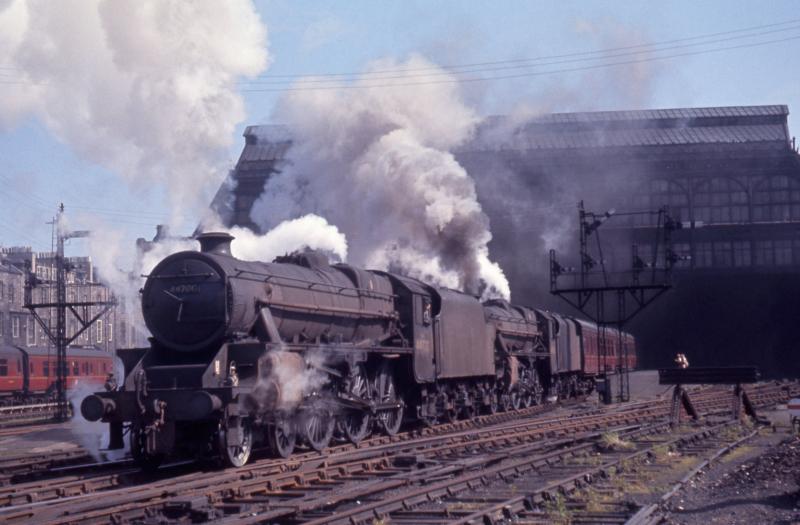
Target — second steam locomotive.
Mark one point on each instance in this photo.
(295, 352)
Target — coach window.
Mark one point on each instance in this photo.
(75, 370)
(46, 368)
(3, 367)
(30, 364)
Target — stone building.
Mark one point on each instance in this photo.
(17, 325)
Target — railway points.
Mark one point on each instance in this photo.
(538, 464)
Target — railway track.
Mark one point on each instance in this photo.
(311, 484)
(20, 414)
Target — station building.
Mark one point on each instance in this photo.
(731, 174)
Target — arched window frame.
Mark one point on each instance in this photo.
(712, 204)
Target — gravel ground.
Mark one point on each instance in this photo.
(755, 484)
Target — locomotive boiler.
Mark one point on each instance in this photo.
(297, 352)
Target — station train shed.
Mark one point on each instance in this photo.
(730, 174)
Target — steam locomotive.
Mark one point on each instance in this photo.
(298, 351)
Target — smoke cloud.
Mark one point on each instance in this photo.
(145, 88)
(376, 163)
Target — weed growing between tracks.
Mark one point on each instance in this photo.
(610, 441)
(557, 511)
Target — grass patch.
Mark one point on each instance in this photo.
(610, 441)
(557, 511)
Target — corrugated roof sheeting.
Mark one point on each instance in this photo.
(660, 114)
(644, 137)
(264, 152)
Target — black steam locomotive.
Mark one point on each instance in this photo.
(298, 351)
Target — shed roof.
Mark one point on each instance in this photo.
(657, 127)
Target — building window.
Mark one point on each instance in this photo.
(720, 200)
(110, 332)
(741, 253)
(3, 367)
(702, 255)
(723, 254)
(657, 193)
(15, 327)
(764, 253)
(684, 252)
(2, 290)
(2, 323)
(11, 293)
(30, 334)
(777, 199)
(99, 335)
(783, 252)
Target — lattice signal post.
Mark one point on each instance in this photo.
(613, 298)
(82, 310)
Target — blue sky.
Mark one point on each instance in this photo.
(38, 171)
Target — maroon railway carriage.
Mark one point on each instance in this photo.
(603, 352)
(29, 374)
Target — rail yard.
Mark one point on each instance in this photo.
(377, 263)
(575, 463)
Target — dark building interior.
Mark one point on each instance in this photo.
(730, 174)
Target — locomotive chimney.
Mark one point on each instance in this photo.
(215, 242)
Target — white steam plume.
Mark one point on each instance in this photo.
(376, 162)
(143, 87)
(310, 231)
